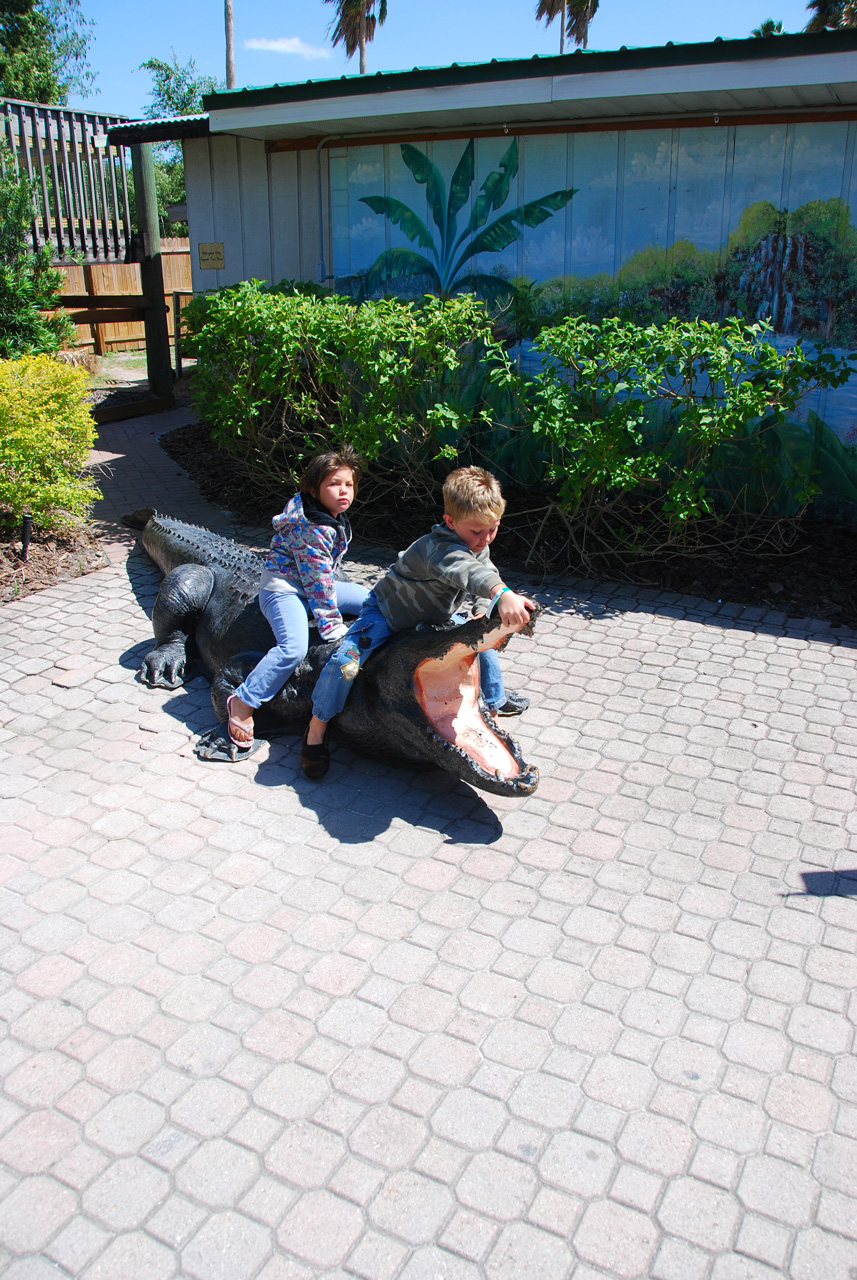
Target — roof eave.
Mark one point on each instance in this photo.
(577, 63)
(159, 130)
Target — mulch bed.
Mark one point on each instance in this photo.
(50, 559)
(817, 578)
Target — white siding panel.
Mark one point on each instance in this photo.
(255, 215)
(200, 207)
(286, 232)
(227, 208)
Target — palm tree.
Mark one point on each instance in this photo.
(547, 10)
(230, 44)
(580, 14)
(830, 15)
(354, 25)
(767, 28)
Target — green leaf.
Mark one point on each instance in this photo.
(491, 287)
(495, 191)
(429, 176)
(459, 191)
(502, 231)
(399, 214)
(400, 262)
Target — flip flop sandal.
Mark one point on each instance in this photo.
(238, 732)
(216, 744)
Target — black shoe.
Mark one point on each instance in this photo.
(315, 760)
(514, 705)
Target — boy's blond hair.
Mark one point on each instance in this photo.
(473, 492)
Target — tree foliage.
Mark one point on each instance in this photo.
(46, 433)
(355, 24)
(831, 15)
(44, 47)
(177, 90)
(547, 10)
(767, 28)
(580, 15)
(29, 284)
(574, 15)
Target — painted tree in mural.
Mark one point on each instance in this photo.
(574, 15)
(830, 15)
(450, 267)
(355, 24)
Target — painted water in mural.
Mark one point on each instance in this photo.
(751, 220)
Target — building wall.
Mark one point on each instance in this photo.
(756, 220)
(750, 219)
(261, 208)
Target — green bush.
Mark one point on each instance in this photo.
(46, 432)
(29, 284)
(642, 440)
(657, 432)
(282, 373)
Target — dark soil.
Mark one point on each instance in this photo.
(50, 558)
(816, 578)
(107, 397)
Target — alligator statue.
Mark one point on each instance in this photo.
(415, 701)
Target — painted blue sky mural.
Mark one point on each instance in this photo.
(754, 220)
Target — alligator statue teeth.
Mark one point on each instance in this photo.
(415, 701)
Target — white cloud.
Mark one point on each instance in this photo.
(288, 44)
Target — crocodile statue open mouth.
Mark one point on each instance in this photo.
(416, 701)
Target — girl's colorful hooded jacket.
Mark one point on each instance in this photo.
(305, 556)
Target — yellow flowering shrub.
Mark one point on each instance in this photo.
(46, 432)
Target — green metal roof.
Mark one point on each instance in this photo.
(579, 62)
(166, 129)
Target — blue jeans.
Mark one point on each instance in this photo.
(289, 614)
(362, 638)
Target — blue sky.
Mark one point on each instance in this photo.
(284, 41)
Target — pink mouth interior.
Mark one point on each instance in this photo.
(447, 689)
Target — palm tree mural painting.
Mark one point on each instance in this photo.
(450, 265)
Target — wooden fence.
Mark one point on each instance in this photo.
(118, 279)
(80, 181)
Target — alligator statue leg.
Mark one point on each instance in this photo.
(183, 595)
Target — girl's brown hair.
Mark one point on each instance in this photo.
(324, 465)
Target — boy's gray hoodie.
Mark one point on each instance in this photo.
(430, 580)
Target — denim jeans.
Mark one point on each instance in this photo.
(362, 638)
(289, 614)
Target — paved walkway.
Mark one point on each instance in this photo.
(390, 1027)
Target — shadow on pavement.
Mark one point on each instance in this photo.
(361, 797)
(829, 884)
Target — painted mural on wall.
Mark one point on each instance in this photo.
(751, 220)
(453, 264)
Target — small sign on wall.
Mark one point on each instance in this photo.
(211, 256)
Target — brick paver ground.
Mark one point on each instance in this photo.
(259, 1029)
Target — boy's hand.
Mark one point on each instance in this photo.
(514, 610)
